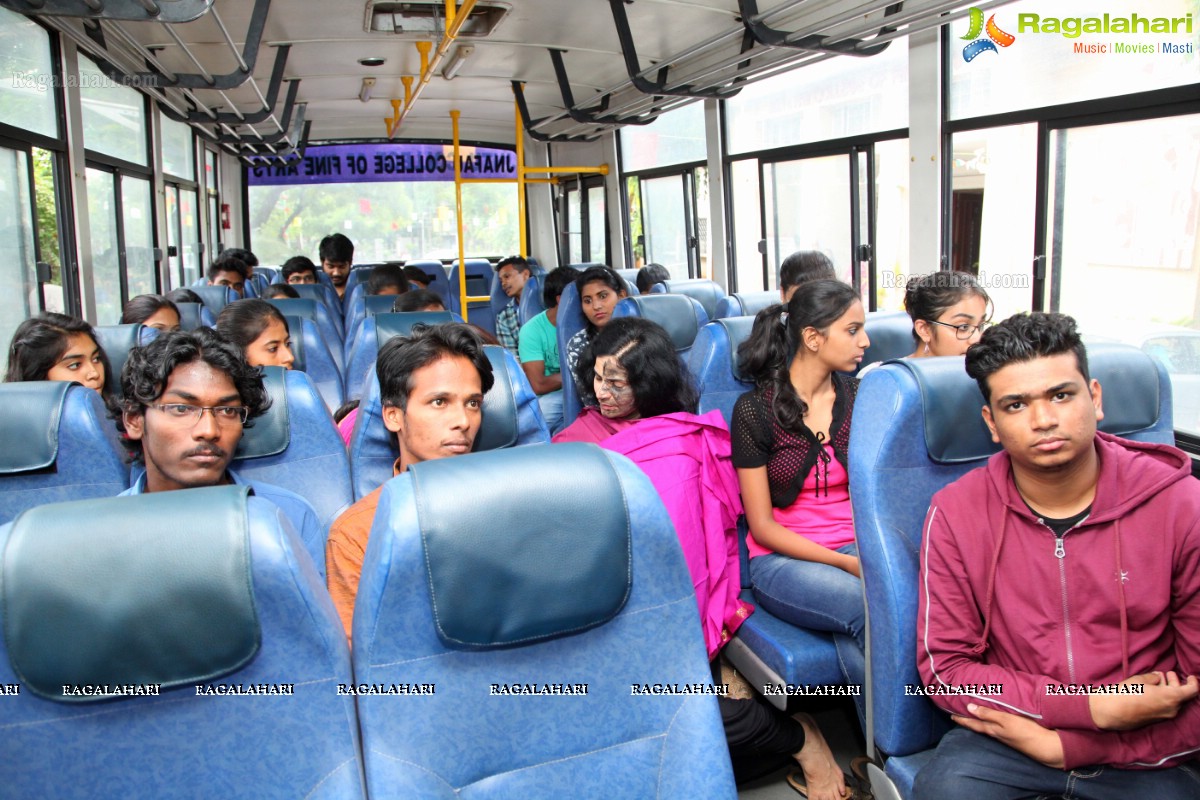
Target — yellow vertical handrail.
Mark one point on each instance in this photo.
(521, 183)
(458, 213)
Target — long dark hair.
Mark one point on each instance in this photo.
(609, 278)
(39, 342)
(658, 379)
(145, 306)
(766, 356)
(243, 321)
(927, 297)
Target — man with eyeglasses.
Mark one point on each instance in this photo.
(187, 397)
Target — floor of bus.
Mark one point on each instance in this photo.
(839, 724)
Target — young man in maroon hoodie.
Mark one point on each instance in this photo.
(1059, 616)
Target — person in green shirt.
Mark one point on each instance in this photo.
(538, 348)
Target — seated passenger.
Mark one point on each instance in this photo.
(260, 330)
(231, 272)
(299, 269)
(513, 272)
(153, 311)
(418, 300)
(649, 275)
(55, 347)
(538, 349)
(801, 267)
(790, 439)
(187, 397)
(184, 296)
(337, 257)
(646, 412)
(280, 291)
(387, 279)
(1059, 576)
(949, 311)
(599, 290)
(418, 277)
(431, 385)
(245, 256)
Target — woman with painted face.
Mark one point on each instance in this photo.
(645, 409)
(600, 289)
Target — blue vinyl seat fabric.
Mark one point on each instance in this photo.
(374, 331)
(367, 305)
(327, 324)
(202, 587)
(324, 293)
(745, 304)
(620, 612)
(532, 303)
(714, 366)
(215, 297)
(441, 280)
(193, 315)
(59, 444)
(570, 321)
(480, 277)
(680, 315)
(890, 333)
(705, 292)
(117, 341)
(511, 417)
(315, 359)
(917, 427)
(296, 446)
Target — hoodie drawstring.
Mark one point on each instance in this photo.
(982, 644)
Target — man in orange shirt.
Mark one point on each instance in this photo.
(432, 385)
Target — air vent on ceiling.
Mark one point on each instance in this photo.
(429, 18)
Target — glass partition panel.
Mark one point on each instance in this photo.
(1067, 51)
(177, 152)
(139, 236)
(27, 93)
(114, 116)
(676, 137)
(596, 226)
(994, 187)
(747, 225)
(1126, 263)
(665, 225)
(18, 285)
(808, 208)
(106, 264)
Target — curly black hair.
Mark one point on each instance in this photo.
(660, 382)
(1024, 337)
(401, 356)
(144, 378)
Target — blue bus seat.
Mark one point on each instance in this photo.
(193, 315)
(891, 336)
(374, 331)
(315, 359)
(215, 297)
(532, 303)
(476, 596)
(745, 304)
(511, 417)
(271, 273)
(324, 294)
(713, 364)
(903, 450)
(570, 321)
(59, 444)
(367, 305)
(707, 293)
(480, 277)
(316, 311)
(681, 316)
(117, 341)
(441, 281)
(296, 446)
(256, 284)
(200, 587)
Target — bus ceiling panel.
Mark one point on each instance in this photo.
(171, 11)
(774, 37)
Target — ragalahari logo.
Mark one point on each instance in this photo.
(995, 36)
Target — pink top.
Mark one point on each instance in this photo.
(821, 513)
(346, 426)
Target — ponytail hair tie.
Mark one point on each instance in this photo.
(783, 318)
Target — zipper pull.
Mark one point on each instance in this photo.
(1059, 551)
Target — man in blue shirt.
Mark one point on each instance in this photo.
(187, 396)
(513, 272)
